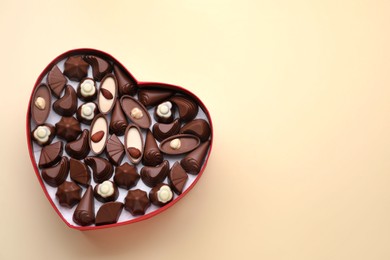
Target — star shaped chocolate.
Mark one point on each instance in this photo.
(68, 194)
(76, 68)
(68, 128)
(137, 202)
(126, 176)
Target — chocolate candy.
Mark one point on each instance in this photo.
(136, 112)
(152, 155)
(50, 154)
(134, 143)
(137, 202)
(188, 109)
(56, 175)
(98, 134)
(84, 214)
(198, 127)
(86, 90)
(68, 128)
(152, 176)
(79, 172)
(102, 169)
(108, 213)
(79, 148)
(68, 194)
(192, 163)
(56, 81)
(76, 68)
(161, 194)
(154, 96)
(164, 113)
(40, 104)
(43, 134)
(115, 150)
(107, 94)
(177, 178)
(118, 121)
(179, 144)
(87, 112)
(126, 176)
(163, 131)
(126, 84)
(106, 191)
(100, 67)
(67, 104)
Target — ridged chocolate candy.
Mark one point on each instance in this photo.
(79, 148)
(152, 176)
(187, 108)
(153, 96)
(152, 155)
(126, 176)
(137, 202)
(56, 81)
(177, 178)
(102, 169)
(68, 194)
(115, 150)
(100, 67)
(164, 112)
(75, 68)
(56, 175)
(118, 121)
(192, 163)
(198, 127)
(68, 128)
(43, 134)
(50, 154)
(79, 172)
(106, 191)
(163, 131)
(126, 84)
(84, 214)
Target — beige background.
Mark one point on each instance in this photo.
(299, 94)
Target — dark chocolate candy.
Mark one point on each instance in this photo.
(84, 214)
(102, 169)
(134, 142)
(118, 121)
(40, 104)
(68, 128)
(152, 176)
(99, 127)
(50, 154)
(114, 150)
(126, 176)
(198, 127)
(108, 213)
(87, 90)
(107, 94)
(75, 68)
(106, 191)
(87, 112)
(56, 81)
(163, 131)
(187, 108)
(152, 97)
(179, 144)
(137, 202)
(126, 84)
(177, 178)
(67, 104)
(192, 163)
(152, 155)
(43, 134)
(79, 172)
(136, 112)
(164, 112)
(68, 194)
(161, 194)
(79, 148)
(56, 175)
(100, 67)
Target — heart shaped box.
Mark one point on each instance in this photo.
(88, 51)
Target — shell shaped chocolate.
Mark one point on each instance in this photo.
(102, 169)
(56, 175)
(187, 108)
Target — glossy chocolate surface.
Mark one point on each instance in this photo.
(56, 175)
(106, 191)
(126, 84)
(152, 155)
(187, 108)
(79, 148)
(43, 134)
(155, 197)
(118, 121)
(137, 202)
(100, 67)
(56, 81)
(163, 131)
(153, 175)
(68, 194)
(50, 154)
(153, 96)
(177, 178)
(102, 169)
(68, 128)
(136, 112)
(79, 172)
(40, 104)
(99, 127)
(108, 213)
(75, 68)
(198, 127)
(84, 214)
(115, 150)
(193, 162)
(126, 176)
(185, 143)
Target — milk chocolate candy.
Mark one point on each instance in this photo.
(108, 213)
(164, 112)
(153, 96)
(75, 68)
(163, 131)
(84, 214)
(68, 128)
(107, 94)
(79, 148)
(126, 176)
(192, 163)
(43, 134)
(87, 112)
(187, 108)
(100, 67)
(118, 121)
(56, 175)
(56, 81)
(106, 191)
(177, 178)
(136, 112)
(137, 202)
(126, 84)
(87, 90)
(153, 175)
(67, 104)
(179, 144)
(40, 104)
(115, 150)
(79, 172)
(68, 194)
(198, 127)
(99, 134)
(152, 155)
(50, 154)
(102, 169)
(161, 194)
(134, 143)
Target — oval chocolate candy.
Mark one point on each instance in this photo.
(134, 143)
(107, 94)
(136, 112)
(98, 134)
(179, 144)
(40, 104)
